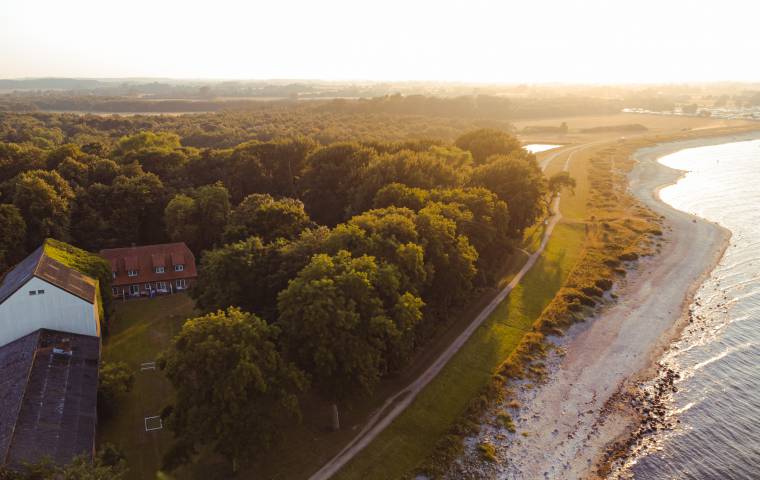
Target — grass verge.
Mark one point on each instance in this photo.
(140, 330)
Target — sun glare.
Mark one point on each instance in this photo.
(476, 41)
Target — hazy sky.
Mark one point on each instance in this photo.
(468, 40)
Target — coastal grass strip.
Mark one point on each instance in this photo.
(412, 438)
(618, 230)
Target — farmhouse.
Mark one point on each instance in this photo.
(49, 353)
(151, 269)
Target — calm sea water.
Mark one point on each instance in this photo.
(718, 356)
(539, 147)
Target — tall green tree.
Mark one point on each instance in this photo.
(415, 169)
(450, 259)
(180, 219)
(486, 142)
(346, 323)
(115, 379)
(274, 167)
(136, 205)
(15, 159)
(250, 273)
(12, 236)
(234, 389)
(146, 139)
(44, 200)
(267, 218)
(199, 219)
(167, 163)
(388, 234)
(330, 178)
(519, 181)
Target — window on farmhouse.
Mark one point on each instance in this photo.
(159, 269)
(132, 273)
(179, 268)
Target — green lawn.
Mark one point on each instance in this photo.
(410, 438)
(139, 331)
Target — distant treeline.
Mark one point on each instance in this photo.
(227, 129)
(631, 127)
(96, 104)
(480, 107)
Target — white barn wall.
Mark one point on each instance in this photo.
(56, 309)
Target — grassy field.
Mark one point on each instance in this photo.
(139, 331)
(411, 438)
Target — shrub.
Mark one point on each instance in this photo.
(505, 419)
(115, 380)
(604, 283)
(487, 452)
(629, 256)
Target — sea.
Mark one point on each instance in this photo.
(540, 147)
(716, 408)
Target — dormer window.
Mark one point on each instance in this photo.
(132, 273)
(179, 268)
(159, 269)
(113, 274)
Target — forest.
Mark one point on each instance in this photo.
(325, 263)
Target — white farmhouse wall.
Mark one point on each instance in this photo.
(56, 309)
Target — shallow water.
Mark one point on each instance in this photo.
(539, 147)
(718, 355)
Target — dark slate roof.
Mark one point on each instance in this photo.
(20, 274)
(15, 363)
(37, 264)
(58, 402)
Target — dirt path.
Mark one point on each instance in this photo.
(396, 404)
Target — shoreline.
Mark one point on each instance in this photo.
(618, 453)
(567, 425)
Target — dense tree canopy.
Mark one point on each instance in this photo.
(330, 178)
(346, 322)
(198, 219)
(517, 180)
(234, 389)
(259, 214)
(44, 199)
(318, 258)
(12, 235)
(487, 142)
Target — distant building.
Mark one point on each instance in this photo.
(49, 355)
(151, 269)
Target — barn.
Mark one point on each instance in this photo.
(49, 356)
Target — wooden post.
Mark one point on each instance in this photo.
(335, 417)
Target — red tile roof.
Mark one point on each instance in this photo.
(146, 258)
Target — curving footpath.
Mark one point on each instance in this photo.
(397, 403)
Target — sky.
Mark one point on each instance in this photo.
(504, 41)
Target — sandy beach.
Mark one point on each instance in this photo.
(565, 425)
